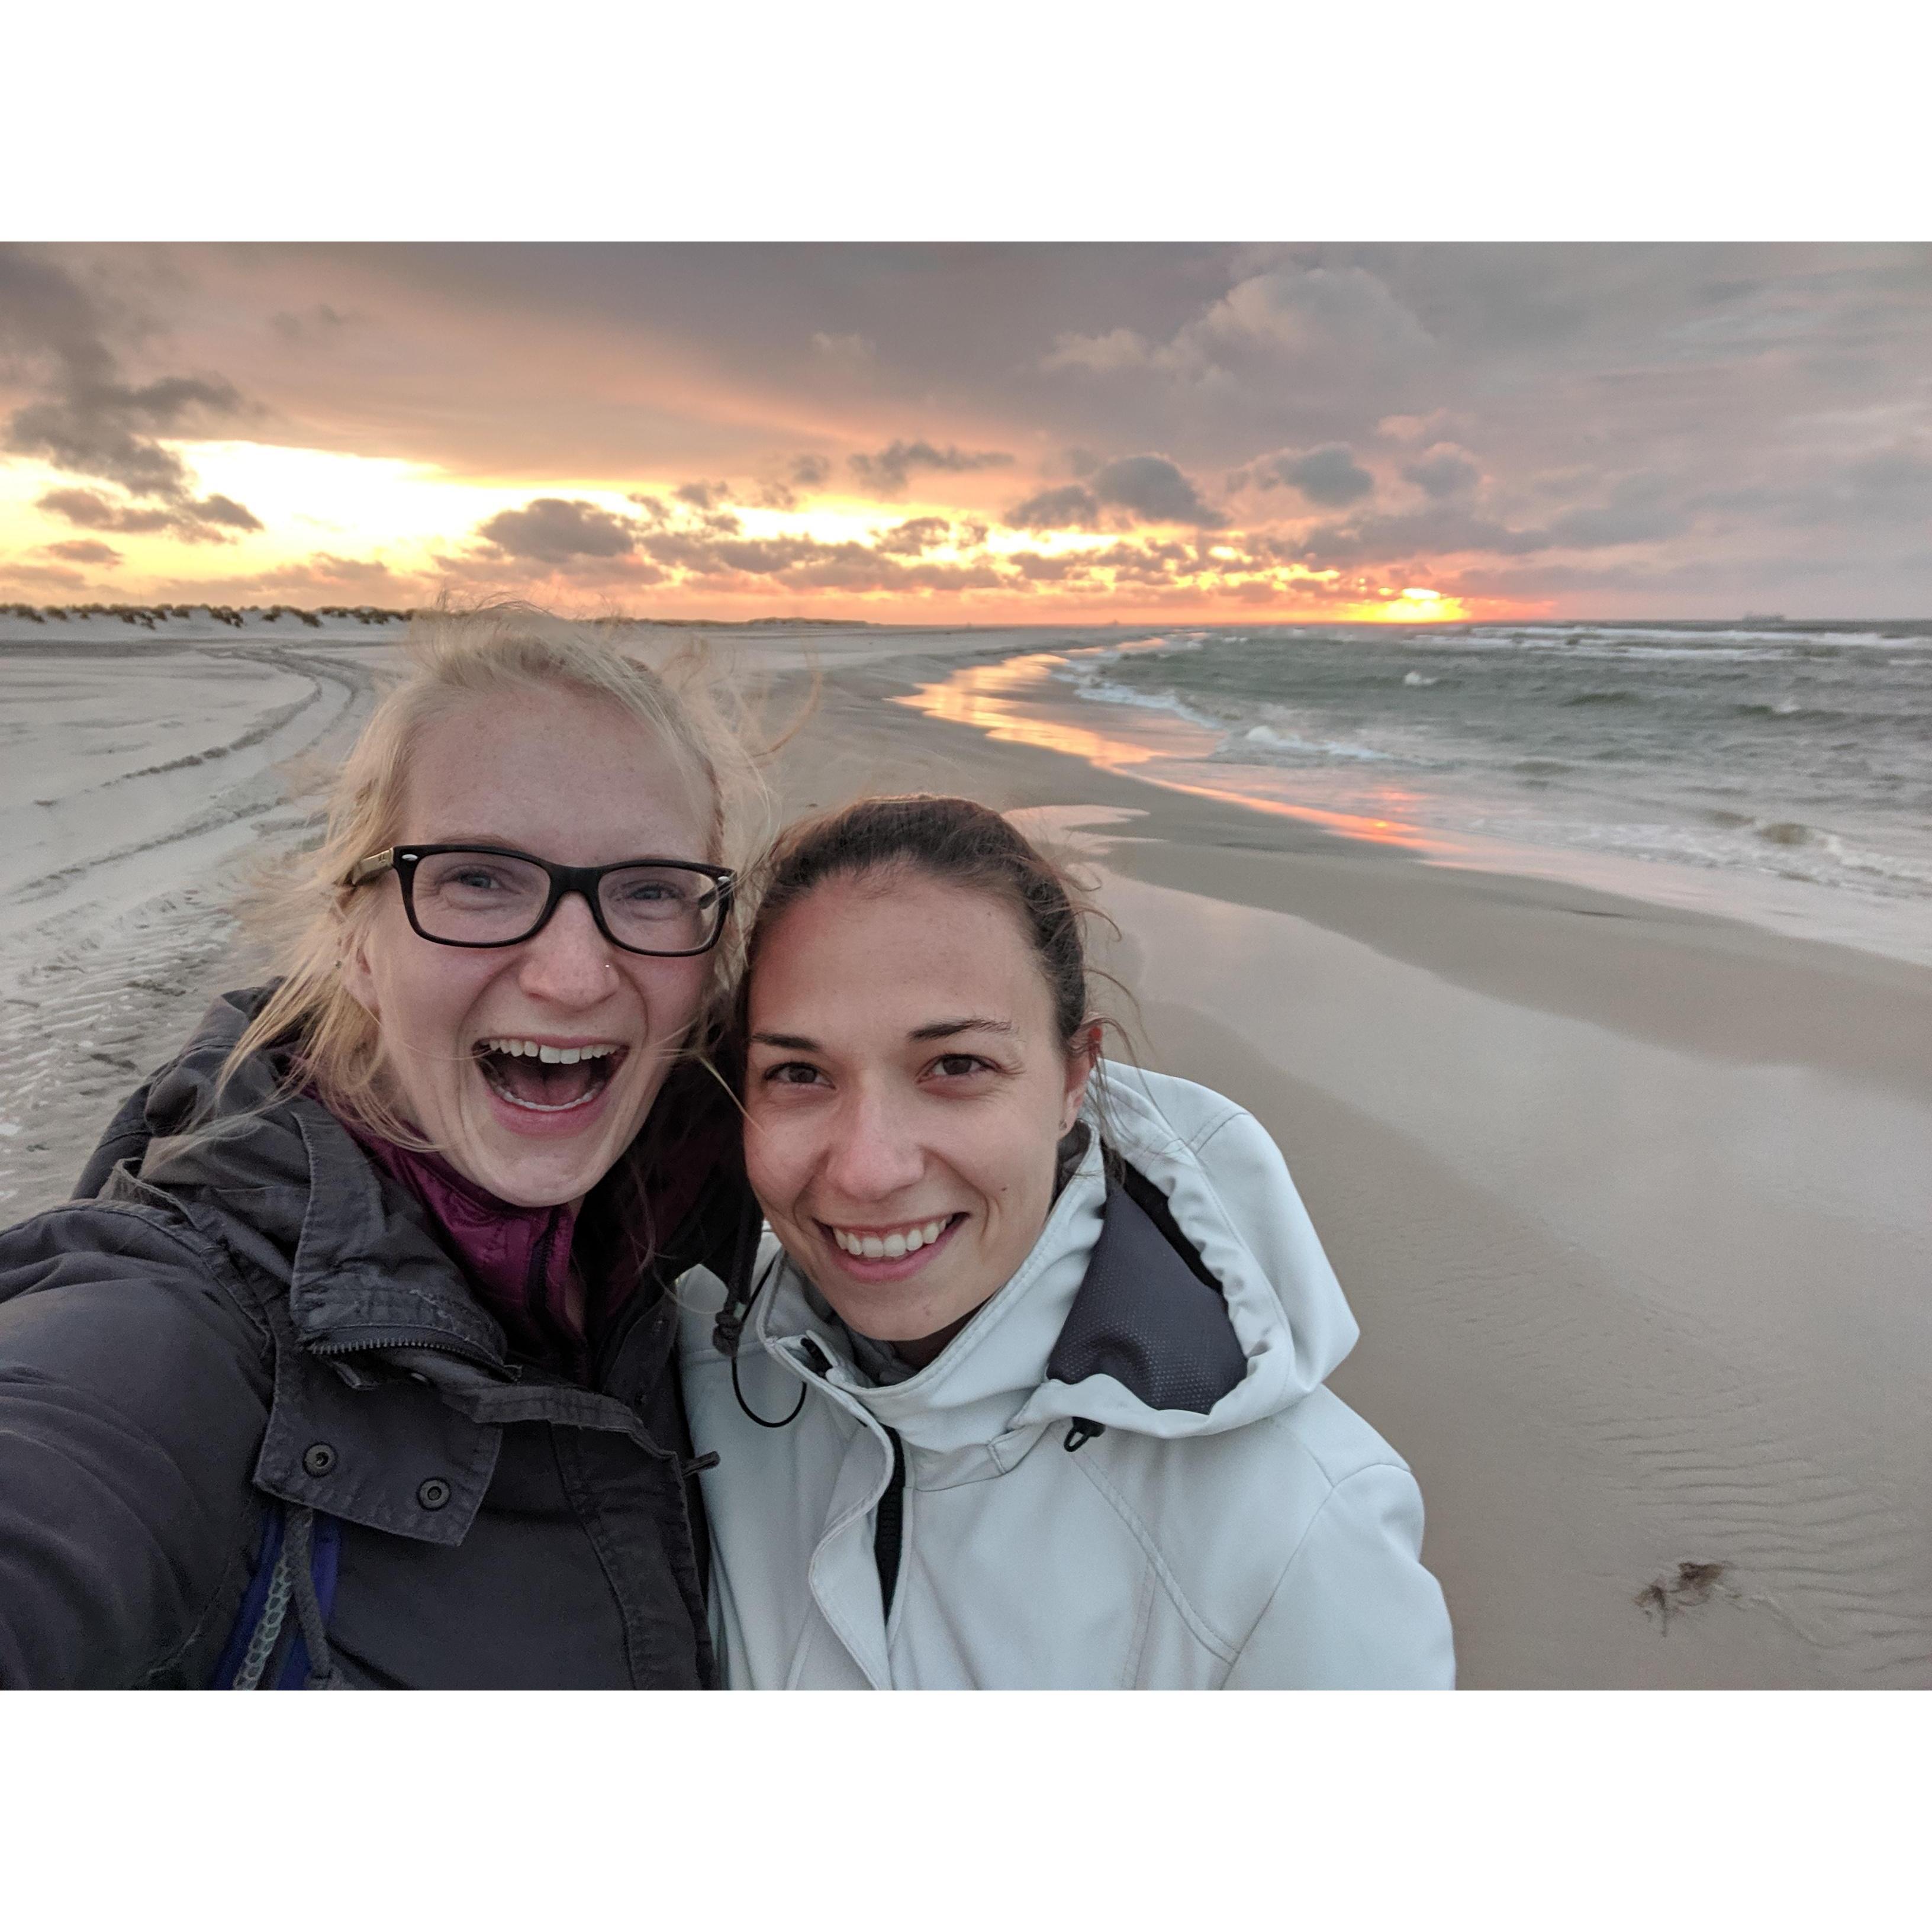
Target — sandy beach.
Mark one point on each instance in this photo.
(1629, 1199)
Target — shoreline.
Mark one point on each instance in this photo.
(1451, 919)
(1622, 1195)
(1629, 1200)
(1021, 700)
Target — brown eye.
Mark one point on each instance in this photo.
(957, 1065)
(791, 1073)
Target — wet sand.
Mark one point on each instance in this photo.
(1631, 1203)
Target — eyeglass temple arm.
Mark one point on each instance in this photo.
(364, 870)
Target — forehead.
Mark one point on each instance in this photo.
(570, 776)
(874, 957)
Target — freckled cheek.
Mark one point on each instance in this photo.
(425, 1010)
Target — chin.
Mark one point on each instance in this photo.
(527, 1176)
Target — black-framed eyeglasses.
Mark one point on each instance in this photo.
(494, 896)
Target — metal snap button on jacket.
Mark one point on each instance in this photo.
(434, 1494)
(318, 1459)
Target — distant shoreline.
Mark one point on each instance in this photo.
(151, 616)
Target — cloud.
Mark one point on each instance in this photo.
(803, 473)
(1153, 490)
(702, 495)
(888, 469)
(91, 511)
(556, 530)
(1443, 470)
(1071, 507)
(108, 429)
(1895, 482)
(195, 520)
(853, 351)
(804, 562)
(1320, 322)
(1310, 313)
(1039, 569)
(50, 576)
(913, 537)
(84, 550)
(1328, 474)
(1637, 519)
(1438, 531)
(1437, 426)
(324, 570)
(318, 322)
(1135, 489)
(88, 419)
(1103, 354)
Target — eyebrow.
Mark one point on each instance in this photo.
(942, 1029)
(797, 1043)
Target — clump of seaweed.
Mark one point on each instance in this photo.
(1693, 1584)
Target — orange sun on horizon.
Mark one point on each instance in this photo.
(1417, 605)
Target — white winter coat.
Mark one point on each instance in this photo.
(1233, 1524)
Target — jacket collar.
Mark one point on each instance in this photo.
(363, 1264)
(1108, 1319)
(970, 1393)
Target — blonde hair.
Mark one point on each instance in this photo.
(704, 726)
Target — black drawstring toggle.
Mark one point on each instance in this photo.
(1081, 1430)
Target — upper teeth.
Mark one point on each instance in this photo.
(900, 1241)
(554, 1056)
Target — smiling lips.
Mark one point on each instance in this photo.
(546, 1076)
(890, 1244)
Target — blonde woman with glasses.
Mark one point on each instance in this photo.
(350, 1363)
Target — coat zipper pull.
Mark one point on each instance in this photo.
(699, 1464)
(1081, 1430)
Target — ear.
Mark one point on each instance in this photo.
(358, 980)
(1082, 1059)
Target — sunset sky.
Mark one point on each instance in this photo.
(1032, 434)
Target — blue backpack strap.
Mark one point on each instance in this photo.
(295, 1568)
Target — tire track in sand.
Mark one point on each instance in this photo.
(107, 962)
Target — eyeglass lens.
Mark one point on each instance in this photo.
(484, 898)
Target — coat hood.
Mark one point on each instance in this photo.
(364, 1243)
(1189, 1298)
(296, 1195)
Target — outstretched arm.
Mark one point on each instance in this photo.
(133, 1395)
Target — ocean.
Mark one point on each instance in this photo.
(1777, 771)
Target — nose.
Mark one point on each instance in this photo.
(567, 963)
(872, 1153)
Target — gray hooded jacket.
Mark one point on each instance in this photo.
(1123, 1472)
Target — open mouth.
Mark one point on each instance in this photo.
(544, 1078)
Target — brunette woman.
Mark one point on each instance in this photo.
(1030, 1390)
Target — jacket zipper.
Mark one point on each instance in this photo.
(889, 1528)
(433, 1340)
(536, 1293)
